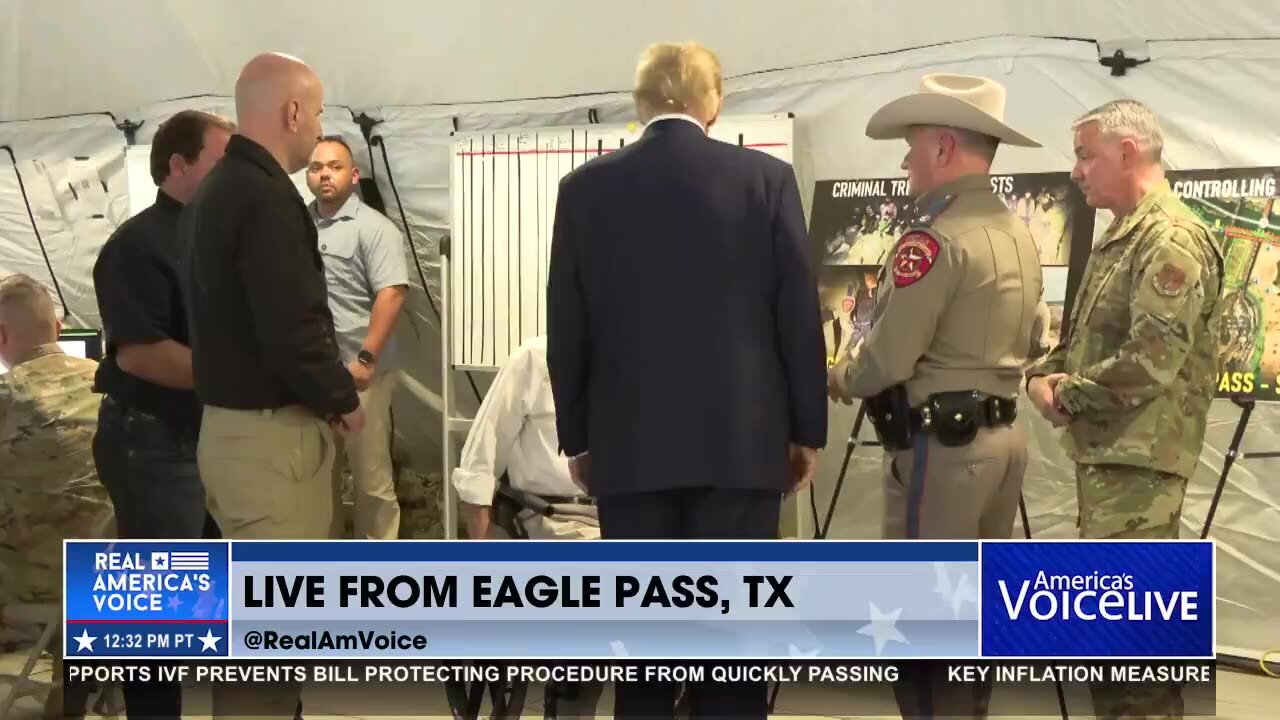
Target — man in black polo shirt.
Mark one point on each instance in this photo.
(149, 420)
(267, 367)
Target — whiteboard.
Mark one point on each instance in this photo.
(142, 191)
(503, 192)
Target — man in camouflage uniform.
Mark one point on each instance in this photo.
(49, 490)
(942, 364)
(1133, 382)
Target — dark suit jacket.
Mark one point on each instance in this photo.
(683, 331)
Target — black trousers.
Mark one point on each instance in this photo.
(149, 470)
(692, 514)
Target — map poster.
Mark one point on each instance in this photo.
(1240, 208)
(857, 222)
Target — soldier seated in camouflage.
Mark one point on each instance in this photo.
(49, 490)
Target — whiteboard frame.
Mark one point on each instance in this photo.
(450, 256)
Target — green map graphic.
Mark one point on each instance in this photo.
(1248, 230)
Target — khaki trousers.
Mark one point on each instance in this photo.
(267, 475)
(377, 510)
(570, 522)
(951, 493)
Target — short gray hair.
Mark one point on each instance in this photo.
(981, 143)
(1127, 119)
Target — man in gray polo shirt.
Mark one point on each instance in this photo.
(364, 265)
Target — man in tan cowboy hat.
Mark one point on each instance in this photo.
(941, 368)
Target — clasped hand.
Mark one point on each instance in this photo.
(1042, 391)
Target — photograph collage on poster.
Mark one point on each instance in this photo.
(856, 224)
(1241, 209)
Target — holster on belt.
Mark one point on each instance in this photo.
(955, 418)
(890, 415)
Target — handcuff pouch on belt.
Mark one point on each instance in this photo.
(954, 418)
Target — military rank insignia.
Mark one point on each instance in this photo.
(917, 251)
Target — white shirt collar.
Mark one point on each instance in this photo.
(678, 116)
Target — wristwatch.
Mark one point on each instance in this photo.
(365, 357)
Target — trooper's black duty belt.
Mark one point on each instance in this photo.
(954, 418)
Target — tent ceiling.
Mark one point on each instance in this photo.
(84, 55)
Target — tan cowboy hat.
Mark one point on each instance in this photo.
(968, 102)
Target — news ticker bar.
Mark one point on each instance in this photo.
(827, 688)
(870, 672)
(532, 600)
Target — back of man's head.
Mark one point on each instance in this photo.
(678, 78)
(185, 148)
(278, 104)
(27, 318)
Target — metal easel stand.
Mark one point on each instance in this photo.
(451, 423)
(1246, 405)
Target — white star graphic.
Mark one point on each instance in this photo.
(964, 592)
(209, 641)
(796, 652)
(943, 587)
(882, 628)
(174, 602)
(955, 595)
(84, 641)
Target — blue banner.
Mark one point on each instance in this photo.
(1118, 599)
(506, 600)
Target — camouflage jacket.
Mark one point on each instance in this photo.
(1142, 353)
(49, 487)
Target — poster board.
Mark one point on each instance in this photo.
(856, 223)
(1240, 208)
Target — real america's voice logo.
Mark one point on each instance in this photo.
(1098, 599)
(138, 599)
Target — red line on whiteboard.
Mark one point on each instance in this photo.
(114, 621)
(584, 151)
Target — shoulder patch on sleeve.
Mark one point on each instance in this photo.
(917, 251)
(1170, 280)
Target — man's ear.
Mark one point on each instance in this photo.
(355, 173)
(1130, 153)
(177, 164)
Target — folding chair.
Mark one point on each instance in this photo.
(47, 619)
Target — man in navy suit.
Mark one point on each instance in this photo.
(684, 338)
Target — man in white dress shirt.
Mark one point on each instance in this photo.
(515, 432)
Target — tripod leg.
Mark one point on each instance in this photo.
(1233, 450)
(1026, 530)
(844, 468)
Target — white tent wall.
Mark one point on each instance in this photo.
(72, 224)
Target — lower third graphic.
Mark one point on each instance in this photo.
(146, 599)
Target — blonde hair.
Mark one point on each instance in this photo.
(27, 307)
(1127, 119)
(678, 78)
